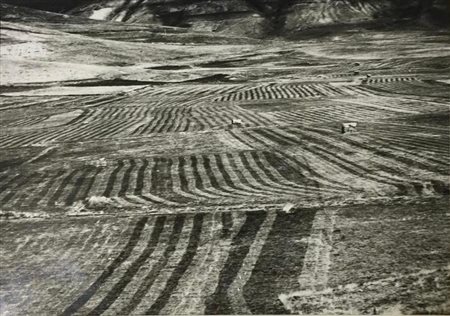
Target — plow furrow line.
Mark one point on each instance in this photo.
(157, 277)
(213, 181)
(219, 301)
(181, 268)
(126, 278)
(223, 179)
(238, 179)
(125, 253)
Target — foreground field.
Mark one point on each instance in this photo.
(354, 259)
(125, 187)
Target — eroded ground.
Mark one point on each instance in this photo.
(125, 189)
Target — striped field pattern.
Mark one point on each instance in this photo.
(279, 151)
(194, 263)
(283, 91)
(281, 163)
(213, 262)
(173, 198)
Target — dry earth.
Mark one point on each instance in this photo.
(125, 189)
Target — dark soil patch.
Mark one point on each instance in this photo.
(222, 63)
(211, 79)
(433, 119)
(112, 82)
(9, 89)
(169, 67)
(283, 257)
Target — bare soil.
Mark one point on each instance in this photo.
(167, 198)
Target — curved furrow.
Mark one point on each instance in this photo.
(330, 164)
(78, 185)
(245, 179)
(15, 187)
(175, 123)
(162, 117)
(238, 179)
(422, 160)
(381, 147)
(223, 177)
(179, 181)
(149, 125)
(158, 277)
(359, 171)
(45, 188)
(188, 183)
(105, 129)
(192, 171)
(285, 178)
(239, 136)
(432, 144)
(110, 269)
(125, 182)
(253, 173)
(312, 174)
(58, 194)
(81, 132)
(31, 191)
(28, 121)
(22, 140)
(152, 245)
(257, 137)
(276, 135)
(211, 116)
(219, 302)
(117, 131)
(100, 182)
(168, 118)
(193, 281)
(9, 180)
(249, 116)
(414, 142)
(202, 121)
(357, 146)
(262, 175)
(132, 270)
(208, 179)
(180, 269)
(194, 276)
(112, 179)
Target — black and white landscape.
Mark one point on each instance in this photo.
(224, 157)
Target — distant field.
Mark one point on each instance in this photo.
(130, 190)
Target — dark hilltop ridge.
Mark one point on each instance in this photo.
(258, 18)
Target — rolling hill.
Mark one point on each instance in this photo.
(259, 18)
(149, 165)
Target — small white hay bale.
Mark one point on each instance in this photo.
(237, 122)
(287, 208)
(99, 201)
(350, 127)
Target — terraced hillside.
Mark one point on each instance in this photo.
(126, 188)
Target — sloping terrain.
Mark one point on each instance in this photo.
(256, 18)
(130, 32)
(145, 173)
